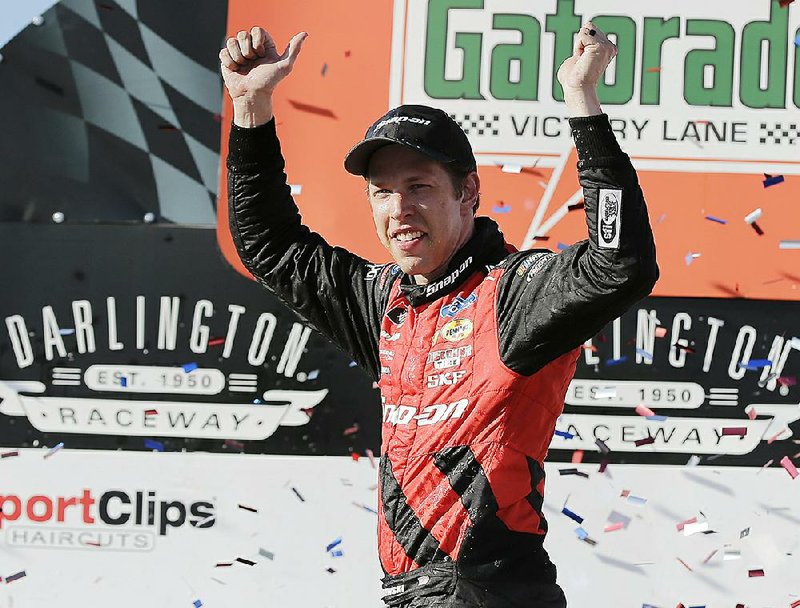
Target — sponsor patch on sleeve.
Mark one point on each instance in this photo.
(609, 218)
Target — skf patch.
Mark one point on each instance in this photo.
(609, 218)
(457, 305)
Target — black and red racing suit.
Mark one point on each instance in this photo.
(472, 367)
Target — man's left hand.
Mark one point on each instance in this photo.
(580, 73)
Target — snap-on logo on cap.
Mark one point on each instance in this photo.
(413, 119)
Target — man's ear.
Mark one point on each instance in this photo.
(470, 191)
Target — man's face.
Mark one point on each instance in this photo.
(417, 214)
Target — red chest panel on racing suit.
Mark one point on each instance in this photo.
(464, 438)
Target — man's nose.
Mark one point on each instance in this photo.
(400, 206)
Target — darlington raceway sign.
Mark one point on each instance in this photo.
(712, 81)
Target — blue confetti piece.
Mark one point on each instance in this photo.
(197, 603)
(756, 364)
(66, 332)
(644, 353)
(365, 507)
(657, 418)
(334, 544)
(123, 381)
(189, 367)
(501, 208)
(637, 500)
(771, 180)
(797, 40)
(562, 246)
(337, 553)
(152, 444)
(572, 515)
(564, 434)
(616, 361)
(582, 534)
(716, 219)
(352, 364)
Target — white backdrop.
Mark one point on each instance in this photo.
(633, 566)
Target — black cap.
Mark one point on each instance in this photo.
(422, 128)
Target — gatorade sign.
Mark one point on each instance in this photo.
(714, 81)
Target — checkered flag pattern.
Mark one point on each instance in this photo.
(110, 110)
(779, 133)
(477, 124)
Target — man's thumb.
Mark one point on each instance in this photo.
(295, 44)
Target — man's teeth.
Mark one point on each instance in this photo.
(408, 236)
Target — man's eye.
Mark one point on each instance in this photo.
(419, 186)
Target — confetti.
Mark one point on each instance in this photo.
(337, 554)
(755, 364)
(17, 576)
(601, 445)
(150, 412)
(784, 4)
(311, 109)
(796, 38)
(355, 456)
(787, 380)
(681, 525)
(691, 257)
(716, 219)
(605, 392)
(236, 445)
(295, 189)
(564, 434)
(54, 449)
(576, 206)
(216, 341)
(645, 441)
(661, 332)
(572, 515)
(365, 507)
(197, 603)
(501, 208)
(66, 332)
(577, 457)
(330, 570)
(739, 431)
(246, 508)
(758, 229)
(371, 456)
(685, 565)
(789, 245)
(614, 527)
(351, 430)
(755, 572)
(745, 532)
(223, 564)
(510, 168)
(300, 496)
(730, 554)
(333, 544)
(313, 375)
(787, 464)
(693, 461)
(268, 554)
(189, 367)
(637, 500)
(796, 603)
(152, 444)
(9, 454)
(753, 216)
(352, 364)
(643, 353)
(643, 410)
(695, 527)
(581, 533)
(562, 246)
(248, 562)
(652, 70)
(771, 180)
(710, 555)
(603, 466)
(324, 69)
(616, 361)
(573, 472)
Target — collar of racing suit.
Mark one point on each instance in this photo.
(486, 248)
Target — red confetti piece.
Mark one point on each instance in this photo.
(776, 435)
(347, 53)
(739, 431)
(645, 441)
(796, 603)
(787, 464)
(787, 380)
(216, 341)
(685, 565)
(351, 430)
(614, 527)
(603, 466)
(311, 109)
(625, 493)
(9, 454)
(577, 456)
(590, 347)
(784, 4)
(751, 413)
(645, 411)
(355, 456)
(756, 572)
(371, 457)
(652, 70)
(150, 412)
(710, 555)
(680, 526)
(661, 332)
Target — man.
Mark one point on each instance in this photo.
(473, 345)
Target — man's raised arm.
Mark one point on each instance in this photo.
(550, 304)
(333, 289)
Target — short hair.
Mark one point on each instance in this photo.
(458, 177)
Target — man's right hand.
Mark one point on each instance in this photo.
(252, 68)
